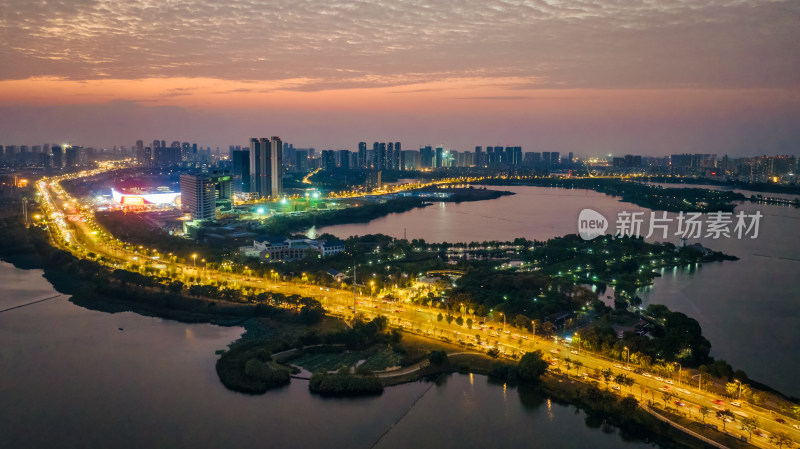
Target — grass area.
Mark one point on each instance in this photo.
(376, 358)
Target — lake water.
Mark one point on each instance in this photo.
(70, 378)
(749, 309)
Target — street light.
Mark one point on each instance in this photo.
(679, 371)
(740, 388)
(194, 261)
(627, 356)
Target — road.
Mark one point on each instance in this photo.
(76, 230)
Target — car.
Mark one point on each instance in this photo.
(684, 391)
(615, 387)
(736, 404)
(659, 378)
(617, 365)
(554, 351)
(718, 401)
(647, 375)
(742, 414)
(626, 368)
(780, 420)
(587, 375)
(796, 426)
(669, 381)
(680, 404)
(574, 352)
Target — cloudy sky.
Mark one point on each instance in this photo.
(589, 76)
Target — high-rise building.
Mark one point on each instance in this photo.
(344, 159)
(200, 193)
(438, 162)
(259, 165)
(362, 155)
(140, 156)
(276, 167)
(241, 170)
(426, 157)
(328, 160)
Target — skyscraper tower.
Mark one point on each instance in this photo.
(276, 167)
(362, 155)
(259, 166)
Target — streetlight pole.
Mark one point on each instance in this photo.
(680, 368)
(627, 356)
(739, 397)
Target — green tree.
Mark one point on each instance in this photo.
(531, 366)
(781, 439)
(449, 318)
(629, 405)
(469, 323)
(725, 416)
(666, 396)
(607, 374)
(437, 358)
(493, 353)
(749, 424)
(460, 321)
(732, 388)
(704, 411)
(439, 317)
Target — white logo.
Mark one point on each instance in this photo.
(591, 224)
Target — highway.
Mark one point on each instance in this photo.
(74, 228)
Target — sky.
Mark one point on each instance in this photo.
(589, 76)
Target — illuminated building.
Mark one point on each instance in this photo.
(201, 192)
(266, 167)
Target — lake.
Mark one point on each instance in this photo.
(749, 309)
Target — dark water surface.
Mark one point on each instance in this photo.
(749, 309)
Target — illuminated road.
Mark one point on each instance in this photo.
(73, 228)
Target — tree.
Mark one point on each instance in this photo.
(666, 396)
(493, 353)
(749, 424)
(731, 388)
(439, 317)
(460, 321)
(606, 373)
(437, 358)
(469, 323)
(725, 416)
(629, 405)
(522, 322)
(531, 366)
(758, 398)
(704, 411)
(780, 438)
(449, 318)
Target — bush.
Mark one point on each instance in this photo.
(437, 358)
(531, 366)
(345, 384)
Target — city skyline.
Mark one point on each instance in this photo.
(592, 78)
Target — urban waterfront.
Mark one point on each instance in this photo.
(748, 308)
(77, 378)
